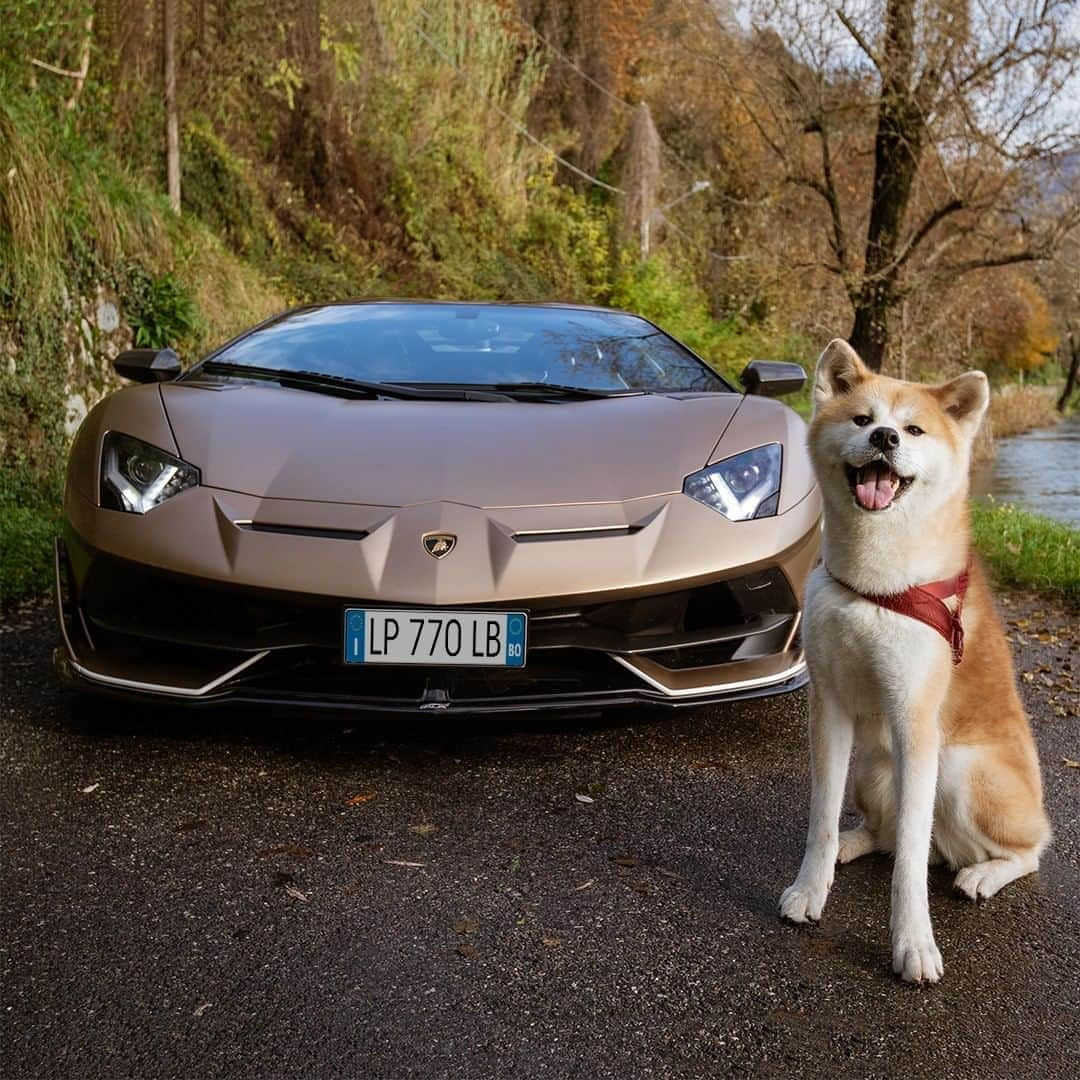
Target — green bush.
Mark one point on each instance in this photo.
(218, 190)
(161, 310)
(30, 508)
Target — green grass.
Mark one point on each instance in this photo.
(1027, 550)
(29, 519)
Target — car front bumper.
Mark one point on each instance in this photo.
(234, 599)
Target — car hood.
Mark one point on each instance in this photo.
(293, 444)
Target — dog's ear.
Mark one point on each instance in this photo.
(965, 399)
(839, 370)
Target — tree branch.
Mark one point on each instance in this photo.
(55, 70)
(989, 262)
(854, 31)
(917, 237)
(839, 244)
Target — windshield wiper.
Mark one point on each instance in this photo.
(546, 389)
(343, 386)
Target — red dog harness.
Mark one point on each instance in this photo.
(927, 604)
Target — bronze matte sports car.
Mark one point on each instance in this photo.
(471, 507)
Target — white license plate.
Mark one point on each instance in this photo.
(462, 638)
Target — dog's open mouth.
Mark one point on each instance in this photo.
(875, 486)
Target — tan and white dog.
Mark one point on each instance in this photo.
(946, 765)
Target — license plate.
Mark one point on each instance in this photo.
(462, 638)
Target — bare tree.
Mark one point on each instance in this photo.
(966, 106)
(641, 174)
(172, 127)
(1060, 281)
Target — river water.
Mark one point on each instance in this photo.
(1039, 471)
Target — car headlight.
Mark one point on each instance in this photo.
(136, 476)
(741, 487)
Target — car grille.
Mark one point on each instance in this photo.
(142, 619)
(130, 599)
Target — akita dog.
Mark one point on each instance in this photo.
(908, 658)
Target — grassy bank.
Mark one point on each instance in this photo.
(1026, 550)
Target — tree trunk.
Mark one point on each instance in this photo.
(172, 126)
(84, 64)
(897, 148)
(1073, 338)
(870, 332)
(641, 178)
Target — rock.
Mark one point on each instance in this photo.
(108, 315)
(75, 413)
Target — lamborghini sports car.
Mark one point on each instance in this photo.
(438, 506)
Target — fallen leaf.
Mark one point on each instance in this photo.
(94, 787)
(670, 874)
(551, 942)
(1069, 763)
(202, 1008)
(401, 862)
(295, 893)
(584, 798)
(468, 950)
(625, 860)
(466, 925)
(426, 829)
(356, 800)
(1028, 676)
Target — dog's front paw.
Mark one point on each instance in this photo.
(801, 902)
(916, 958)
(982, 880)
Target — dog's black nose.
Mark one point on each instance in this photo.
(885, 438)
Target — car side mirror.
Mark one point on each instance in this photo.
(148, 365)
(772, 378)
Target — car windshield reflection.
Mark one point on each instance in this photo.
(475, 344)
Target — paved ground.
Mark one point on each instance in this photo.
(249, 896)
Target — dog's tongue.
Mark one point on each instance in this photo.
(873, 489)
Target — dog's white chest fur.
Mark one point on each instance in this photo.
(881, 658)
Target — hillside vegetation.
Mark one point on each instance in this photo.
(463, 149)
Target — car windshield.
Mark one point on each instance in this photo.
(474, 345)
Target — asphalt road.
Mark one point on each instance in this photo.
(257, 896)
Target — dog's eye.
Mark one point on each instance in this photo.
(914, 429)
(861, 420)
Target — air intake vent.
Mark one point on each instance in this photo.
(542, 536)
(302, 530)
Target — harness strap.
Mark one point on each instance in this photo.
(927, 604)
